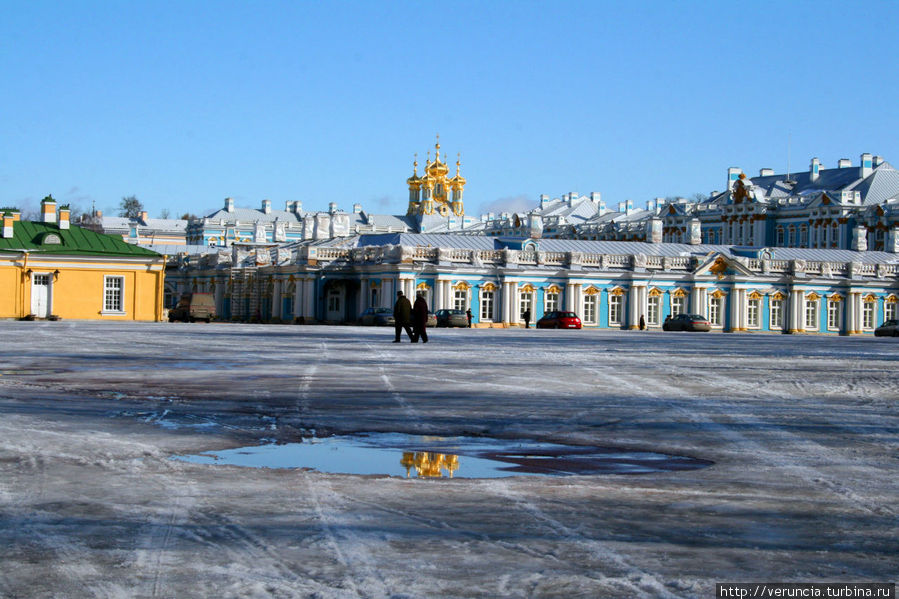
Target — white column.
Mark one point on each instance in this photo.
(309, 297)
(508, 302)
(635, 305)
(298, 298)
(734, 300)
(276, 299)
(696, 301)
(362, 300)
(796, 323)
(570, 305)
(855, 311)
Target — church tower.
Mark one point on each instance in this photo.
(433, 194)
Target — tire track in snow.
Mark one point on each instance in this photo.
(361, 575)
(720, 412)
(628, 580)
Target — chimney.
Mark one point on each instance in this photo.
(143, 215)
(814, 169)
(766, 172)
(357, 208)
(8, 220)
(266, 206)
(866, 167)
(48, 210)
(64, 218)
(332, 207)
(544, 200)
(654, 230)
(733, 173)
(695, 232)
(288, 206)
(878, 160)
(98, 214)
(859, 239)
(229, 204)
(844, 163)
(892, 241)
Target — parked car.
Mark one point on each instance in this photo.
(889, 328)
(451, 318)
(379, 317)
(687, 322)
(192, 307)
(432, 320)
(559, 320)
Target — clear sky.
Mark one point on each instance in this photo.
(185, 103)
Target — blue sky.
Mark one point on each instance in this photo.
(185, 103)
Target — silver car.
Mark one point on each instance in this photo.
(380, 317)
(451, 318)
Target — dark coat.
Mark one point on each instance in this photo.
(402, 310)
(420, 312)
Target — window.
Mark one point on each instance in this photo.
(715, 308)
(334, 300)
(777, 314)
(889, 310)
(552, 301)
(868, 314)
(752, 313)
(811, 314)
(834, 313)
(524, 304)
(780, 236)
(792, 238)
(590, 309)
(113, 294)
(487, 305)
(677, 305)
(653, 309)
(373, 298)
(614, 309)
(803, 236)
(460, 299)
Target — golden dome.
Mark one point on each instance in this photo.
(458, 181)
(414, 180)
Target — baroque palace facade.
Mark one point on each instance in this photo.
(741, 283)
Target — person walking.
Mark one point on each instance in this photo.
(468, 316)
(642, 322)
(402, 315)
(527, 318)
(420, 319)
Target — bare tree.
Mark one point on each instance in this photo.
(130, 207)
(164, 213)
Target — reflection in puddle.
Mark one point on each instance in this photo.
(417, 456)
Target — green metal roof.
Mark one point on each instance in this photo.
(43, 237)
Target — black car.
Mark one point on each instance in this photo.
(889, 328)
(687, 322)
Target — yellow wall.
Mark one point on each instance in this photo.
(78, 291)
(10, 291)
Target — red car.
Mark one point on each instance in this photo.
(559, 320)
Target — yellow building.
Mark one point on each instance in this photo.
(52, 269)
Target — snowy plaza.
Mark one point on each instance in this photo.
(797, 437)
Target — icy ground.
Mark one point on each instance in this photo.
(803, 430)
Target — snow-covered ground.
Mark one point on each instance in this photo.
(803, 432)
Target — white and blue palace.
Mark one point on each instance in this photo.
(814, 252)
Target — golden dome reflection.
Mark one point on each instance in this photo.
(428, 464)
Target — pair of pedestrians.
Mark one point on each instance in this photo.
(405, 313)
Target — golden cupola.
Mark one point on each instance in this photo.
(429, 193)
